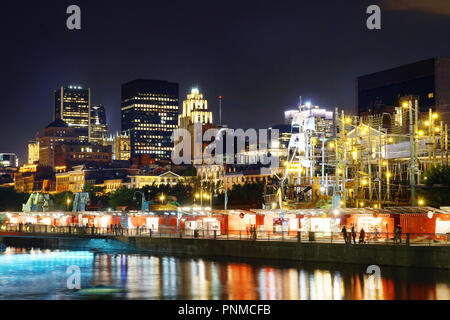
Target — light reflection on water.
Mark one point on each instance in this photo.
(41, 274)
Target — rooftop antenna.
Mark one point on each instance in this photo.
(300, 102)
(220, 110)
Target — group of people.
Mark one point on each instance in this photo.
(349, 235)
(115, 229)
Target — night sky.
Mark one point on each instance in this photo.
(260, 55)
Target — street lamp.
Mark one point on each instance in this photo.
(68, 203)
(196, 196)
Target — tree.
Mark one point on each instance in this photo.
(60, 200)
(96, 195)
(248, 194)
(437, 181)
(182, 192)
(10, 200)
(437, 175)
(190, 172)
(123, 197)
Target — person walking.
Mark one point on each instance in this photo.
(399, 233)
(362, 234)
(344, 234)
(395, 234)
(353, 235)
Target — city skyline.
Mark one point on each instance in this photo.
(315, 63)
(225, 155)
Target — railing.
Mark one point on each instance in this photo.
(427, 239)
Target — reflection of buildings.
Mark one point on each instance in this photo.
(99, 129)
(149, 116)
(72, 105)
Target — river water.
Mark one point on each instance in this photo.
(42, 274)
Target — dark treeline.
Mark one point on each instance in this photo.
(246, 195)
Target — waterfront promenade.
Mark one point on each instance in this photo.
(415, 250)
(32, 230)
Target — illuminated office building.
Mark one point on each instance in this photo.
(195, 111)
(121, 148)
(33, 151)
(429, 80)
(9, 160)
(149, 116)
(72, 105)
(56, 133)
(99, 128)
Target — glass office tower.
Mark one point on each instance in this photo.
(149, 116)
(72, 105)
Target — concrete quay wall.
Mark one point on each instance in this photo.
(382, 255)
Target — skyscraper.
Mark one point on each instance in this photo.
(195, 112)
(72, 105)
(149, 116)
(99, 129)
